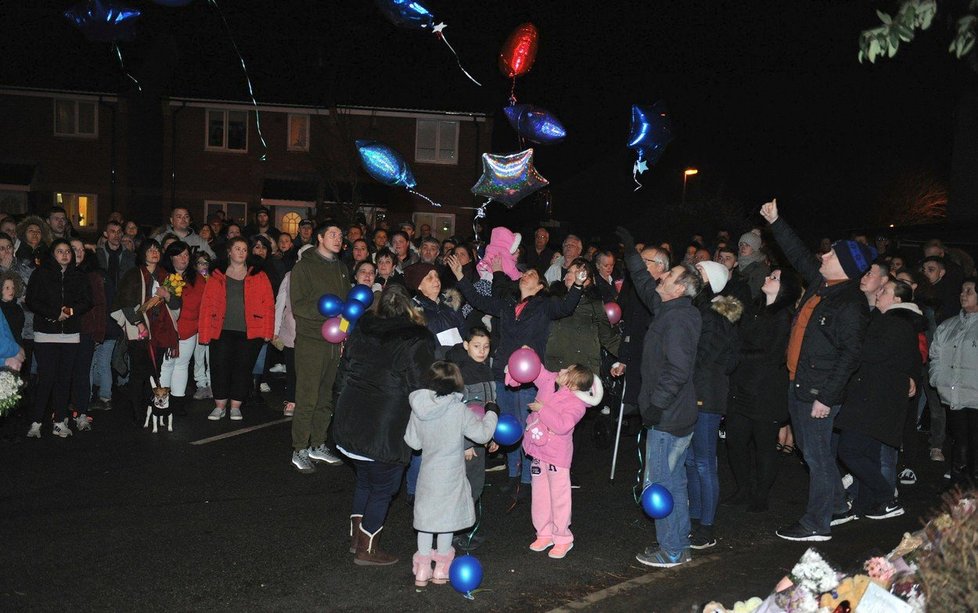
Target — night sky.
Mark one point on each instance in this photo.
(768, 99)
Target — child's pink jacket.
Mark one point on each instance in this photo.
(549, 434)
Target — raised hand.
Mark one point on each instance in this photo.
(770, 211)
(454, 266)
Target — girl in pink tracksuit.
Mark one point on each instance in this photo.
(560, 403)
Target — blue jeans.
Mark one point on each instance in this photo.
(814, 437)
(101, 374)
(414, 469)
(665, 460)
(376, 484)
(701, 469)
(514, 401)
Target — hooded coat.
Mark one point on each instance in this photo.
(383, 361)
(717, 353)
(757, 386)
(876, 398)
(954, 361)
(438, 427)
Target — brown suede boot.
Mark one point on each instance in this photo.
(354, 531)
(368, 550)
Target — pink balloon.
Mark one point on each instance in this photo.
(477, 408)
(333, 330)
(613, 311)
(524, 365)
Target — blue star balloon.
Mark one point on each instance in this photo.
(651, 131)
(407, 14)
(657, 501)
(535, 124)
(508, 430)
(361, 293)
(104, 21)
(465, 574)
(508, 178)
(385, 164)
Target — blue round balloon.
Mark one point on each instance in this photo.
(535, 124)
(330, 305)
(508, 430)
(406, 14)
(465, 574)
(656, 501)
(385, 164)
(352, 310)
(361, 293)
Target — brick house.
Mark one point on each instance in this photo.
(95, 153)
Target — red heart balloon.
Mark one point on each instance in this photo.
(519, 51)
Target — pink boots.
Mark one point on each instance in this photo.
(422, 569)
(442, 563)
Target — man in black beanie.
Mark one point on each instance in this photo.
(823, 352)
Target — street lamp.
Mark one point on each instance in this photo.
(689, 172)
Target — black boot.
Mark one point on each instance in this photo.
(178, 405)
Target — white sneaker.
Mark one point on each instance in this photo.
(35, 431)
(847, 481)
(606, 410)
(61, 429)
(324, 454)
(300, 459)
(203, 393)
(217, 414)
(264, 388)
(83, 422)
(236, 415)
(278, 368)
(908, 476)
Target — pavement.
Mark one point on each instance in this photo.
(212, 516)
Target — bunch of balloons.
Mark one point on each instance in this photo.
(651, 131)
(412, 15)
(342, 315)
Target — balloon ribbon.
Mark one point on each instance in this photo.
(637, 488)
(420, 195)
(638, 168)
(438, 30)
(479, 214)
(244, 67)
(118, 54)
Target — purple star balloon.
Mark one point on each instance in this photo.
(508, 178)
(651, 131)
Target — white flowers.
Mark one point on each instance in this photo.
(10, 384)
(814, 573)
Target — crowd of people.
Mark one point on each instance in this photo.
(841, 356)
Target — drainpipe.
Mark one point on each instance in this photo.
(173, 154)
(112, 155)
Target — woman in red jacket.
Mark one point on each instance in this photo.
(176, 367)
(237, 314)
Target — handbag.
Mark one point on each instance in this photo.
(120, 357)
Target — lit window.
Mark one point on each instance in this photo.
(227, 130)
(75, 118)
(81, 208)
(290, 223)
(436, 142)
(298, 133)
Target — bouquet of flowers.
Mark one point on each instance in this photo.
(174, 284)
(10, 385)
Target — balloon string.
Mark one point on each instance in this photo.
(479, 214)
(457, 60)
(420, 195)
(478, 522)
(118, 54)
(637, 488)
(244, 67)
(512, 93)
(635, 172)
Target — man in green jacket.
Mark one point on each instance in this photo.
(319, 272)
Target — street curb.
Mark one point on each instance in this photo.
(647, 579)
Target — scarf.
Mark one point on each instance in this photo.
(162, 329)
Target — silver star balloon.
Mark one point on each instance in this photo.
(508, 178)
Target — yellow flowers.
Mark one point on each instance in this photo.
(174, 284)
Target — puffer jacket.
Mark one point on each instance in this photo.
(578, 339)
(954, 361)
(50, 289)
(717, 352)
(834, 335)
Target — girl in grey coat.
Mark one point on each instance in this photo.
(439, 423)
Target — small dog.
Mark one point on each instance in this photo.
(159, 408)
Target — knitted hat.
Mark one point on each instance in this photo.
(415, 273)
(855, 257)
(749, 238)
(716, 273)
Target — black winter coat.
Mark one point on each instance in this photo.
(876, 399)
(441, 316)
(717, 352)
(49, 289)
(759, 385)
(383, 361)
(531, 327)
(667, 399)
(635, 317)
(834, 335)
